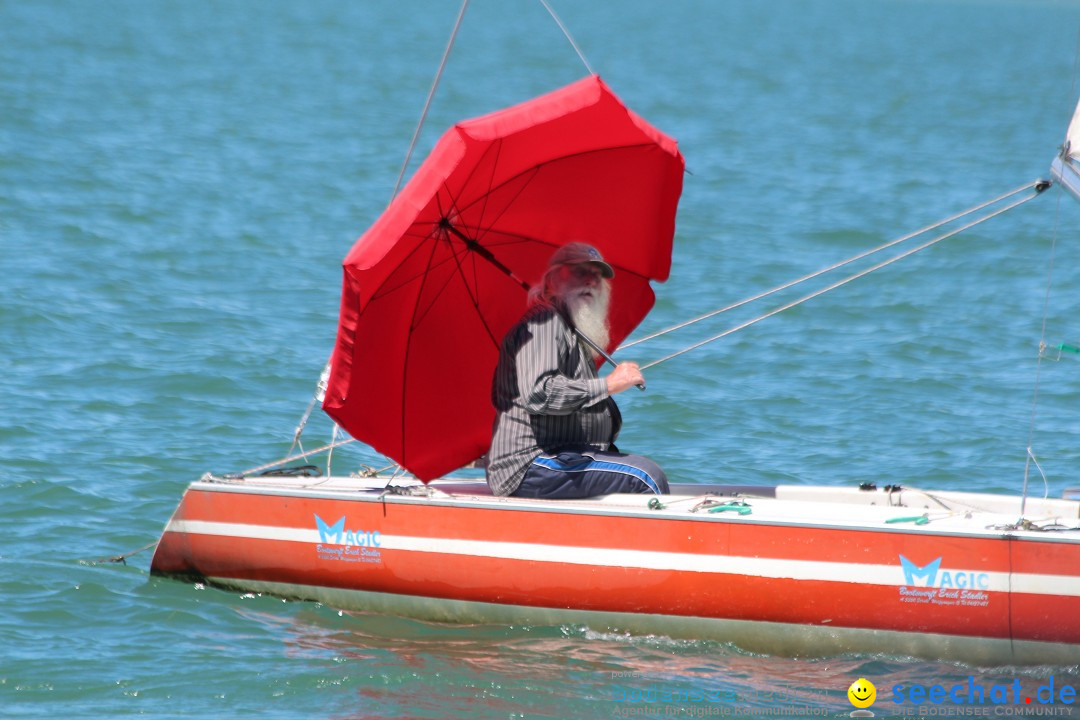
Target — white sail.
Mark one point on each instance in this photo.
(1066, 166)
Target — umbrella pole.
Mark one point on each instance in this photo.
(445, 224)
(482, 251)
(589, 341)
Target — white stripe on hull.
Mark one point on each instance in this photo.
(863, 574)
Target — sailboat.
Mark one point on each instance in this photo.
(787, 569)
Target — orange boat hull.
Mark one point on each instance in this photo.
(770, 579)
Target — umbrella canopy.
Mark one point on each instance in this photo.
(431, 288)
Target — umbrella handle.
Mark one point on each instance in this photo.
(588, 341)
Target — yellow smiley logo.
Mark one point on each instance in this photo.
(862, 693)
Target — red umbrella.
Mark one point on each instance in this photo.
(431, 288)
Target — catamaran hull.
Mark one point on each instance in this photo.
(806, 572)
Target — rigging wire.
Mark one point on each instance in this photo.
(122, 559)
(1039, 187)
(1042, 338)
(1030, 458)
(1038, 366)
(442, 66)
(330, 453)
(431, 95)
(298, 456)
(566, 32)
(317, 397)
(397, 187)
(303, 423)
(838, 265)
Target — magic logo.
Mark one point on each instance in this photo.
(338, 534)
(932, 576)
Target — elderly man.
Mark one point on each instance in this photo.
(556, 425)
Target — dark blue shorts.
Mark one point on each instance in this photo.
(587, 473)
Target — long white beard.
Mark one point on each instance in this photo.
(590, 314)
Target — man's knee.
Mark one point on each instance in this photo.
(654, 471)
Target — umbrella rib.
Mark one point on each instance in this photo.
(468, 246)
(418, 316)
(484, 197)
(532, 171)
(449, 226)
(473, 243)
(408, 351)
(419, 312)
(473, 297)
(487, 195)
(496, 147)
(479, 231)
(535, 172)
(384, 290)
(536, 168)
(518, 238)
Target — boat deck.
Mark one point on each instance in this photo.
(891, 508)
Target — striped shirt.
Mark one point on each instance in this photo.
(547, 396)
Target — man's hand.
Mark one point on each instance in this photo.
(625, 375)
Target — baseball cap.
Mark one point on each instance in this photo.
(576, 253)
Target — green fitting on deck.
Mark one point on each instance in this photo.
(917, 519)
(741, 508)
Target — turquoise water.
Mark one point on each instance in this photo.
(180, 181)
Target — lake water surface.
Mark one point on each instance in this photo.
(179, 182)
